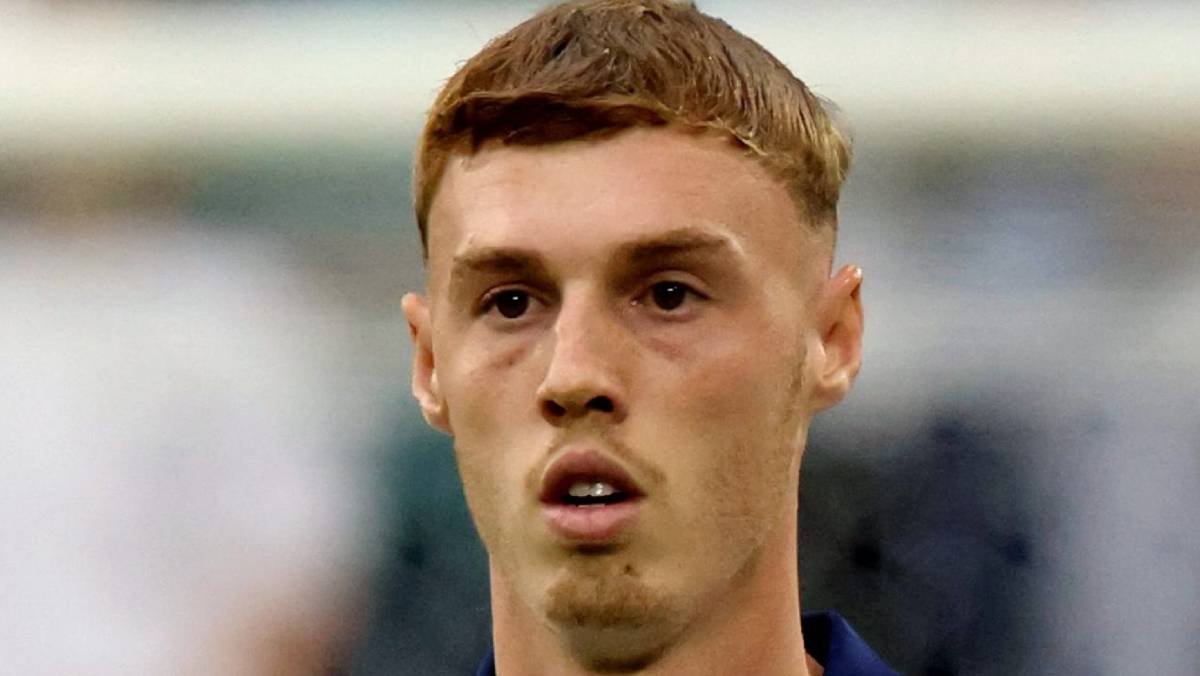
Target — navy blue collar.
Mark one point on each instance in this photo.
(827, 637)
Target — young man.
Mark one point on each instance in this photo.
(628, 211)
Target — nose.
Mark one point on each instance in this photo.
(584, 376)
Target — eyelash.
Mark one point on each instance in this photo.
(690, 296)
(487, 304)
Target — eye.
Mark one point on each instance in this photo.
(669, 295)
(510, 303)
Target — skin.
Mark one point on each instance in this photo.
(703, 392)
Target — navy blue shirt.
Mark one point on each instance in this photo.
(827, 637)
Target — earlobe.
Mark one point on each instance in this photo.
(840, 326)
(425, 386)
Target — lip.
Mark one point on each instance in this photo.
(584, 465)
(595, 525)
(589, 524)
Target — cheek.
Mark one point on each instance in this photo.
(489, 396)
(485, 382)
(733, 419)
(742, 387)
(744, 426)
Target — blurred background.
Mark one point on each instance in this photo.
(209, 460)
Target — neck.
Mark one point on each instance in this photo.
(753, 628)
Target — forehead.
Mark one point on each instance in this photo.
(581, 200)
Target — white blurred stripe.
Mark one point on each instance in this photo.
(208, 75)
(185, 461)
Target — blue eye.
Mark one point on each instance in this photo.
(511, 303)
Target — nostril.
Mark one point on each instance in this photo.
(602, 404)
(554, 410)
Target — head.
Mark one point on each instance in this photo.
(628, 211)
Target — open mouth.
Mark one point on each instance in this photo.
(586, 497)
(588, 493)
(586, 479)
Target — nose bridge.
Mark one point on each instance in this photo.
(584, 366)
(582, 332)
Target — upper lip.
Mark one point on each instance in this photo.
(584, 465)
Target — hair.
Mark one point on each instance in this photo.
(590, 68)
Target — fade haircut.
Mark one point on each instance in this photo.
(589, 68)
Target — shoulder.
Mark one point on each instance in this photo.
(838, 648)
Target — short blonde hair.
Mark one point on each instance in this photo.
(592, 67)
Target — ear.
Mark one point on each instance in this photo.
(838, 350)
(424, 374)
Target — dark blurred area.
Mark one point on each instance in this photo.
(211, 463)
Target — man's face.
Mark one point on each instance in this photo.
(618, 336)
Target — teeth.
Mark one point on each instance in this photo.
(594, 489)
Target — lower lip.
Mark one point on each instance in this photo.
(598, 524)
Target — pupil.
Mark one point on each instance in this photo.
(512, 304)
(669, 295)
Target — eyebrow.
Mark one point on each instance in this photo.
(496, 260)
(674, 243)
(525, 262)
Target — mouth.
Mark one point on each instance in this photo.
(588, 498)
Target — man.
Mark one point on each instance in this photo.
(628, 211)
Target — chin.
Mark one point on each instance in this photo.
(608, 651)
(610, 619)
